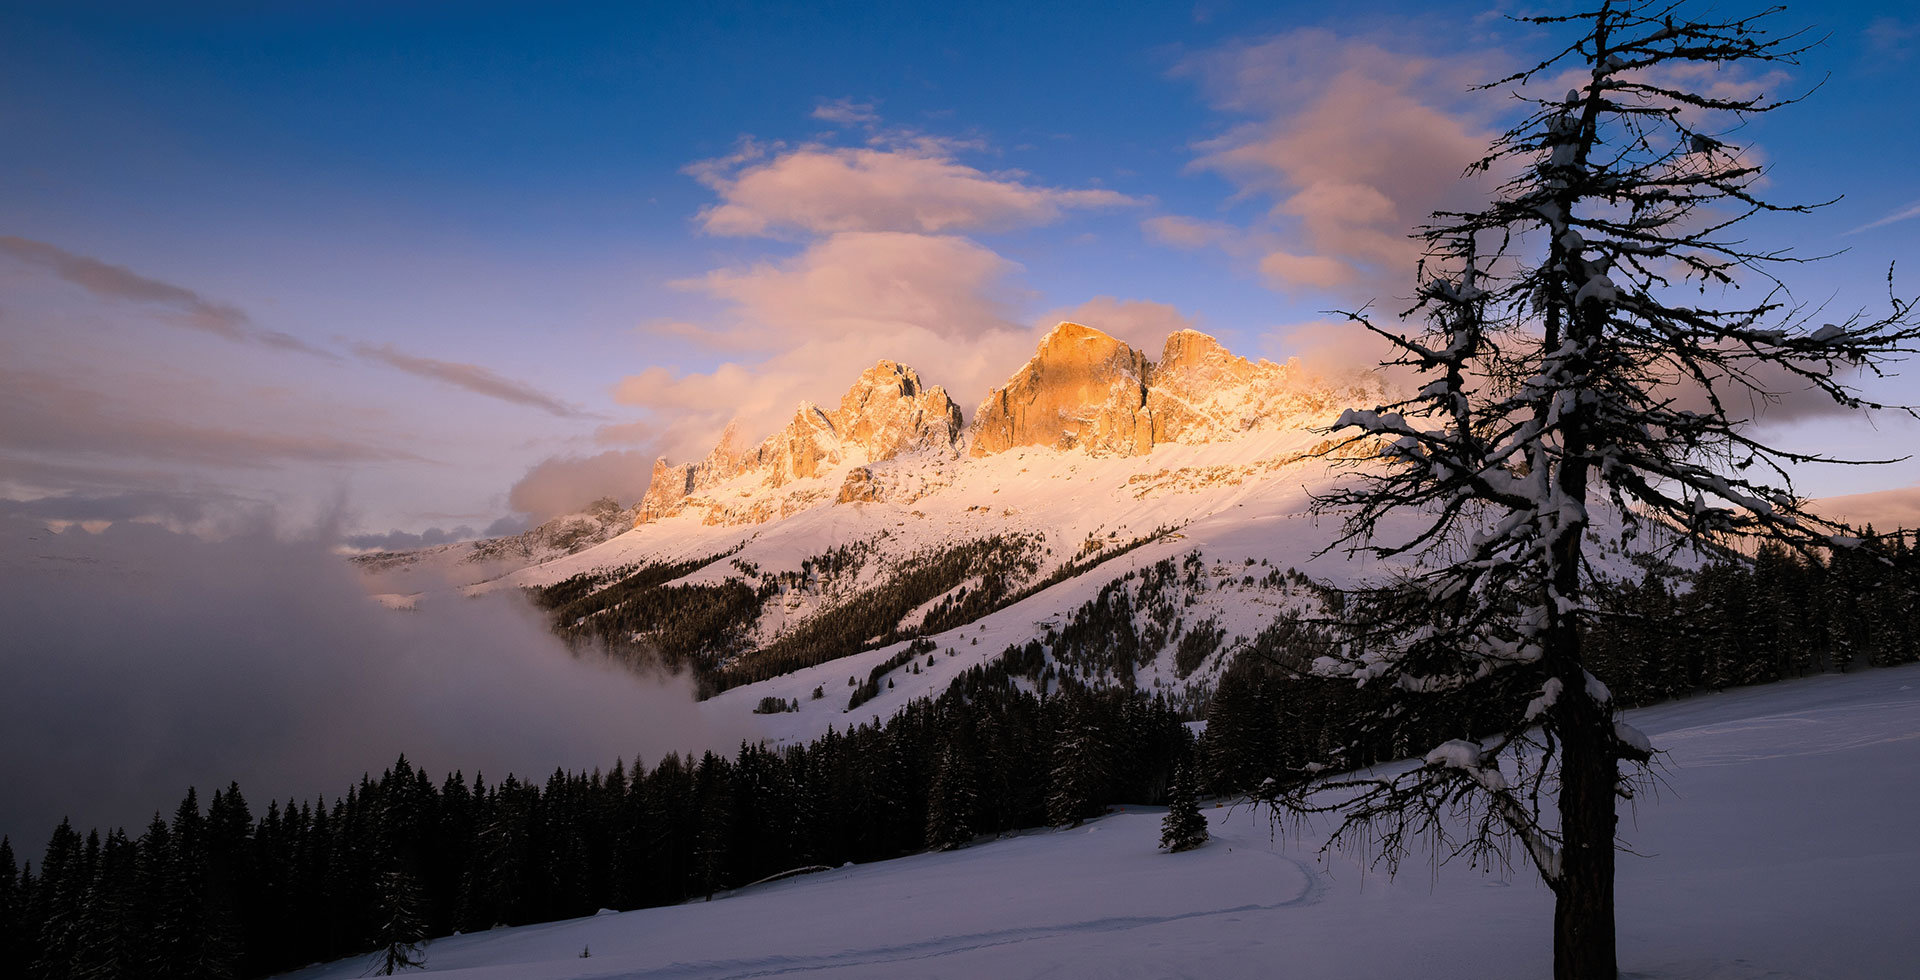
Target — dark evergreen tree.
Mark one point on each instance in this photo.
(402, 932)
(57, 903)
(109, 939)
(1081, 763)
(1185, 827)
(712, 792)
(952, 797)
(13, 946)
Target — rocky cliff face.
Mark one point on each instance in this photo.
(1086, 390)
(887, 412)
(1082, 390)
(1201, 392)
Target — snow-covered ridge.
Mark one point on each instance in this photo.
(1082, 391)
(1093, 465)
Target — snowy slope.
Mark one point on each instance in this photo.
(1782, 847)
(1213, 458)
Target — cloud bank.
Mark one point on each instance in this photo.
(140, 662)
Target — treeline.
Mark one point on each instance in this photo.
(873, 616)
(228, 892)
(644, 616)
(1777, 616)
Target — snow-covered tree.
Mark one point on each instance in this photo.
(1184, 827)
(1587, 366)
(402, 931)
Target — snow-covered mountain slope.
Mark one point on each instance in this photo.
(1161, 504)
(399, 578)
(1781, 846)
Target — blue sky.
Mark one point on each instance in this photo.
(489, 236)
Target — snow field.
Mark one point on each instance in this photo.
(1782, 844)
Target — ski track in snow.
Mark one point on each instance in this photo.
(1779, 845)
(947, 945)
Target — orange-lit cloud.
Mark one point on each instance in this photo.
(938, 303)
(914, 187)
(1886, 510)
(865, 281)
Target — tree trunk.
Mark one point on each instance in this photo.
(1583, 933)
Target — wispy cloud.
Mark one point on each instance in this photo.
(846, 112)
(1910, 211)
(472, 377)
(1891, 37)
(44, 414)
(113, 282)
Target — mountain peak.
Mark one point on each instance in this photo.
(1082, 389)
(1068, 331)
(886, 412)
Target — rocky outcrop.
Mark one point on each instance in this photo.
(858, 487)
(886, 413)
(1082, 390)
(670, 484)
(1202, 392)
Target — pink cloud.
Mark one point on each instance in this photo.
(1886, 510)
(1354, 143)
(472, 377)
(563, 484)
(869, 281)
(914, 187)
(1183, 232)
(1143, 324)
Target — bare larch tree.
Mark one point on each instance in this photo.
(1586, 372)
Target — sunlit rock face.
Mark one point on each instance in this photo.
(1086, 390)
(1082, 390)
(887, 412)
(1201, 392)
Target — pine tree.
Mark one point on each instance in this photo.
(108, 939)
(1573, 357)
(951, 799)
(402, 932)
(1184, 827)
(57, 904)
(12, 910)
(1082, 768)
